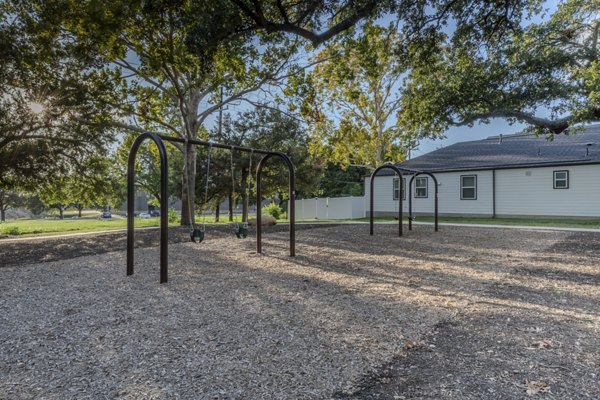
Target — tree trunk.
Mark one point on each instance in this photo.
(61, 211)
(230, 206)
(3, 207)
(188, 191)
(244, 190)
(218, 210)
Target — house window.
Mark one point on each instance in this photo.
(421, 187)
(468, 187)
(561, 179)
(397, 189)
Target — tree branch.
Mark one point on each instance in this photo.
(556, 126)
(316, 38)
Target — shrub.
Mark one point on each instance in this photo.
(173, 216)
(13, 230)
(273, 210)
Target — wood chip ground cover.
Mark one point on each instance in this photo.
(461, 314)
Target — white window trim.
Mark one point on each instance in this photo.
(426, 187)
(462, 186)
(395, 189)
(566, 180)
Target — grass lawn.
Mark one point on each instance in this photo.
(592, 223)
(33, 227)
(56, 226)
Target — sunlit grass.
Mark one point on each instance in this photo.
(90, 223)
(56, 226)
(32, 227)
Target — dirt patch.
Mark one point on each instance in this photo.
(466, 313)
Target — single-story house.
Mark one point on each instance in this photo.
(505, 176)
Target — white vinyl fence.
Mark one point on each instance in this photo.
(331, 208)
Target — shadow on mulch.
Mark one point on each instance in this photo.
(64, 248)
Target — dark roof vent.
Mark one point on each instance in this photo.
(500, 139)
(587, 149)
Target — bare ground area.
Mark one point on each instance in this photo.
(466, 313)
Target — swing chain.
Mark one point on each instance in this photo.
(206, 186)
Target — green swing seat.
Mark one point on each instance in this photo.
(241, 231)
(197, 234)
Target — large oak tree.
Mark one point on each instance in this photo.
(544, 74)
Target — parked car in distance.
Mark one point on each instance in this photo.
(155, 213)
(144, 215)
(106, 214)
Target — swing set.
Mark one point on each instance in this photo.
(197, 233)
(240, 230)
(411, 217)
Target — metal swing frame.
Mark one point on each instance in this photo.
(164, 195)
(398, 171)
(435, 183)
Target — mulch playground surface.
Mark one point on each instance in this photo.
(465, 313)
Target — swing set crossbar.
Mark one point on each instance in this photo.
(159, 140)
(218, 145)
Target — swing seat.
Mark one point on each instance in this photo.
(197, 235)
(241, 231)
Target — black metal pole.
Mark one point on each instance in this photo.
(435, 212)
(371, 198)
(435, 182)
(400, 205)
(292, 202)
(410, 214)
(164, 204)
(259, 168)
(215, 145)
(291, 206)
(371, 203)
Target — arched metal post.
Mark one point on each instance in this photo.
(372, 201)
(164, 203)
(435, 182)
(291, 206)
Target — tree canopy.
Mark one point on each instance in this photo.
(39, 104)
(545, 74)
(351, 98)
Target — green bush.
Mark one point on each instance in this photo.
(13, 230)
(173, 216)
(273, 210)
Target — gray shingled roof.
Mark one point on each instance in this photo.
(512, 151)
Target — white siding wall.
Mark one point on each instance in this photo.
(448, 194)
(517, 193)
(384, 192)
(520, 194)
